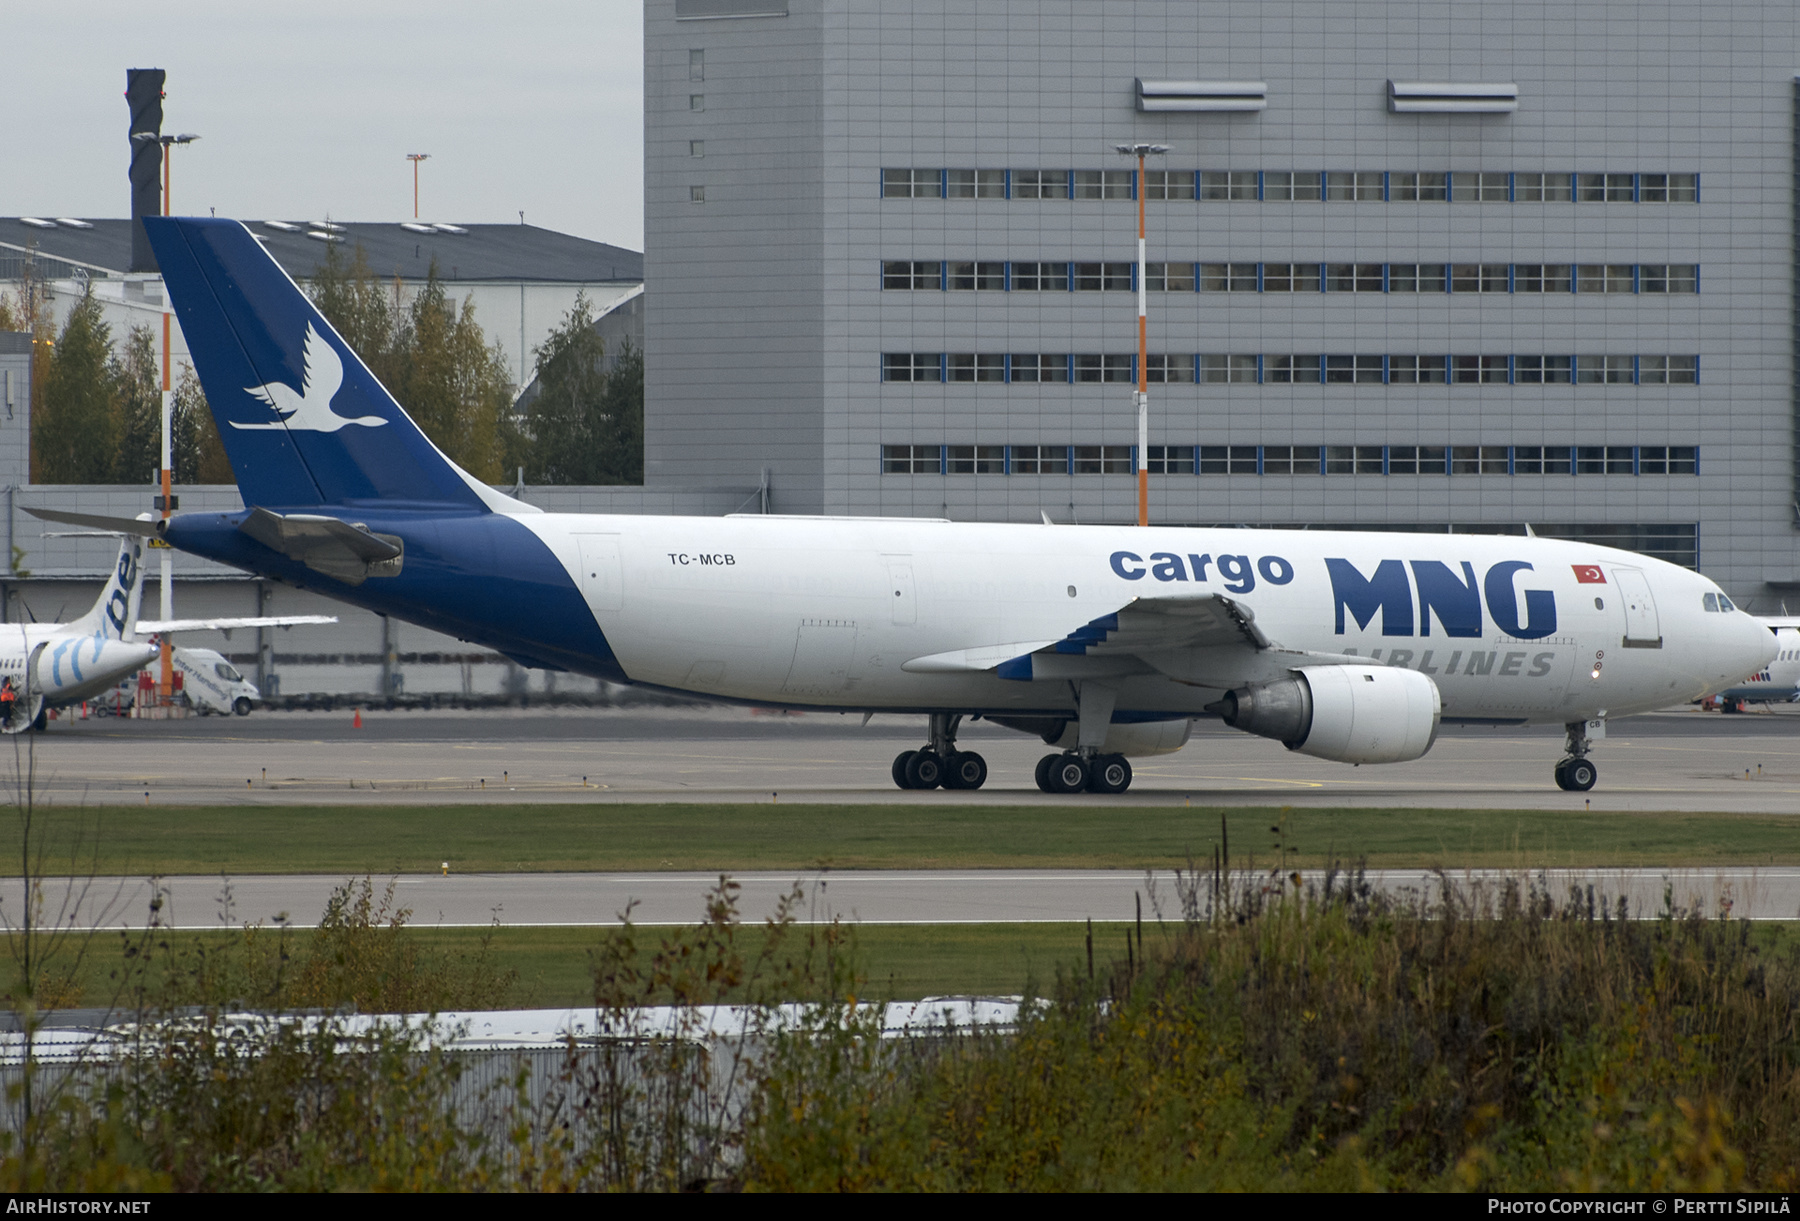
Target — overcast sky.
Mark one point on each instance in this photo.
(310, 111)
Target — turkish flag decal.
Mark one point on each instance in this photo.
(1588, 574)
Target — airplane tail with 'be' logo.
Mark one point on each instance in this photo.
(304, 422)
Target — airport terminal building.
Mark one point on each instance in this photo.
(1454, 266)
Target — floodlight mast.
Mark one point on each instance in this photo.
(1141, 151)
(415, 158)
(166, 502)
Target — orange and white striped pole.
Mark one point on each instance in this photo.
(1141, 151)
(1143, 388)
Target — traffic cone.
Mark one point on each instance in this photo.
(356, 721)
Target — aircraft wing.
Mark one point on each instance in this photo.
(160, 627)
(1143, 626)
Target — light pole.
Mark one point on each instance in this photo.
(415, 158)
(1141, 151)
(165, 503)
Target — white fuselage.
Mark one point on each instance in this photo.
(828, 612)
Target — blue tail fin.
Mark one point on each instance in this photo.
(303, 420)
(115, 612)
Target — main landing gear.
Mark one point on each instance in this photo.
(1577, 773)
(939, 762)
(1071, 773)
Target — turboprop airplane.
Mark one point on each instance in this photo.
(1107, 641)
(53, 665)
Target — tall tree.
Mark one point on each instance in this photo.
(75, 433)
(451, 383)
(197, 454)
(586, 424)
(137, 402)
(621, 432)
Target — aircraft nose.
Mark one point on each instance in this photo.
(1749, 646)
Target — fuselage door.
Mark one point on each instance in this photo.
(903, 601)
(1642, 627)
(601, 580)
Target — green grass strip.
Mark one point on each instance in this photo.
(737, 837)
(553, 965)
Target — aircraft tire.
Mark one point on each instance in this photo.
(924, 770)
(241, 705)
(1043, 772)
(1110, 774)
(1068, 774)
(965, 770)
(1580, 775)
(899, 769)
(43, 720)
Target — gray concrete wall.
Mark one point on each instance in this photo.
(734, 366)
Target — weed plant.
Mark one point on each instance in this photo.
(1281, 1037)
(1259, 1034)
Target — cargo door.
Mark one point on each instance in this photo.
(823, 651)
(1643, 629)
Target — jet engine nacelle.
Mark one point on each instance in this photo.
(1353, 714)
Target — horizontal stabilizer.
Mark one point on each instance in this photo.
(339, 549)
(159, 627)
(144, 527)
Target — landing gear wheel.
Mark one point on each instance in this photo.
(965, 770)
(899, 769)
(1110, 774)
(1043, 772)
(1577, 775)
(1067, 774)
(42, 721)
(924, 770)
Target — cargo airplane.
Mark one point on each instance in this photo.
(1106, 641)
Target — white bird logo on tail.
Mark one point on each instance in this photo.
(310, 410)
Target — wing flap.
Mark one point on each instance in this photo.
(1140, 627)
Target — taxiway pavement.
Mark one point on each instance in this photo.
(1678, 760)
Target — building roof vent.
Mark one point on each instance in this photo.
(69, 222)
(282, 226)
(1437, 98)
(37, 222)
(1156, 96)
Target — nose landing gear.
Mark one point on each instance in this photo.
(1577, 773)
(939, 762)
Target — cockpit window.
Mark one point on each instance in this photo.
(1710, 602)
(1725, 603)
